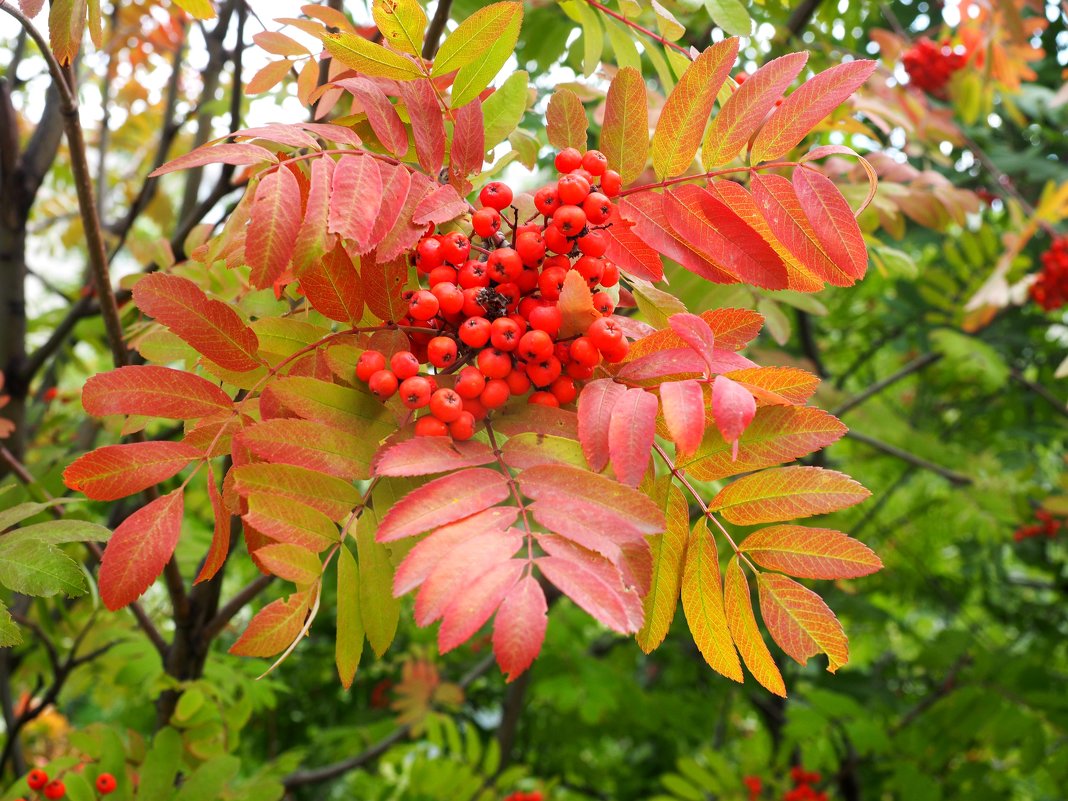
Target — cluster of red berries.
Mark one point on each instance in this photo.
(1047, 526)
(801, 791)
(52, 789)
(930, 65)
(531, 796)
(489, 323)
(1050, 289)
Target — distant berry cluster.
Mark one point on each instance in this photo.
(531, 796)
(489, 322)
(802, 789)
(54, 788)
(1050, 289)
(1046, 526)
(930, 65)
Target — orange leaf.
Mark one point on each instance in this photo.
(333, 287)
(819, 553)
(786, 493)
(743, 627)
(139, 548)
(702, 601)
(273, 227)
(777, 385)
(832, 220)
(115, 471)
(153, 391)
(625, 131)
(220, 538)
(275, 627)
(800, 622)
(565, 121)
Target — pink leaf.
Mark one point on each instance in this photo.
(428, 128)
(381, 115)
(356, 197)
(477, 603)
(733, 408)
(594, 414)
(519, 629)
(237, 153)
(441, 205)
(585, 525)
(694, 332)
(443, 500)
(138, 550)
(396, 180)
(574, 488)
(421, 456)
(832, 220)
(601, 600)
(468, 145)
(630, 435)
(681, 361)
(279, 133)
(273, 226)
(684, 413)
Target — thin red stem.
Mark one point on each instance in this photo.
(639, 28)
(514, 487)
(706, 175)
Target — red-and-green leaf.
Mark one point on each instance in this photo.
(310, 444)
(786, 493)
(355, 199)
(396, 181)
(349, 644)
(210, 327)
(702, 602)
(155, 392)
(595, 405)
(422, 456)
(115, 471)
(686, 112)
(468, 145)
(565, 121)
(683, 404)
(334, 497)
(817, 553)
(286, 520)
(631, 432)
(443, 500)
(381, 114)
(519, 629)
(800, 622)
(738, 605)
(625, 131)
(384, 283)
(138, 550)
(290, 562)
(405, 233)
(333, 287)
(273, 227)
(313, 241)
(275, 627)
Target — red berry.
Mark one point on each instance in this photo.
(590, 268)
(369, 363)
(106, 784)
(382, 384)
(531, 248)
(450, 297)
(36, 779)
(568, 159)
(415, 392)
(475, 407)
(615, 353)
(446, 405)
(572, 189)
(535, 346)
(441, 275)
(580, 372)
(496, 195)
(470, 383)
(527, 280)
(570, 219)
(456, 247)
(495, 394)
(511, 294)
(472, 304)
(505, 334)
(593, 243)
(474, 274)
(441, 351)
(551, 282)
(556, 240)
(594, 162)
(610, 276)
(504, 264)
(564, 389)
(543, 373)
(585, 352)
(463, 427)
(611, 183)
(546, 318)
(598, 207)
(423, 305)
(404, 364)
(546, 201)
(494, 363)
(605, 334)
(475, 332)
(603, 302)
(55, 789)
(518, 383)
(430, 426)
(486, 222)
(429, 254)
(543, 398)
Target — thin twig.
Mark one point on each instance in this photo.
(1041, 391)
(432, 41)
(953, 477)
(912, 367)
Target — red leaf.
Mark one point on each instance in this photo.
(630, 435)
(424, 557)
(477, 603)
(565, 121)
(800, 622)
(115, 471)
(733, 408)
(818, 553)
(583, 530)
(138, 550)
(629, 251)
(440, 205)
(601, 600)
(275, 627)
(154, 392)
(745, 110)
(832, 220)
(396, 181)
(805, 107)
(786, 493)
(210, 327)
(684, 414)
(650, 224)
(428, 128)
(279, 133)
(383, 285)
(273, 227)
(381, 114)
(468, 145)
(356, 196)
(405, 233)
(332, 133)
(333, 287)
(680, 361)
(595, 405)
(694, 332)
(463, 565)
(220, 538)
(313, 241)
(238, 153)
(443, 500)
(519, 629)
(421, 456)
(581, 489)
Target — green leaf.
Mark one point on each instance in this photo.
(19, 512)
(731, 16)
(592, 34)
(57, 532)
(402, 22)
(622, 45)
(199, 9)
(209, 779)
(369, 58)
(476, 76)
(9, 632)
(503, 110)
(475, 37)
(379, 610)
(350, 635)
(35, 568)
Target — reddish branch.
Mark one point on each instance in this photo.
(639, 28)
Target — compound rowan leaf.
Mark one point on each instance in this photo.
(237, 153)
(472, 607)
(805, 107)
(381, 114)
(625, 131)
(800, 622)
(519, 628)
(595, 405)
(210, 327)
(428, 127)
(702, 602)
(273, 226)
(153, 391)
(115, 471)
(832, 220)
(565, 121)
(290, 562)
(313, 239)
(475, 36)
(817, 553)
(452, 577)
(441, 205)
(668, 551)
(349, 643)
(379, 609)
(746, 108)
(369, 58)
(683, 405)
(777, 385)
(777, 434)
(310, 444)
(686, 112)
(733, 409)
(402, 23)
(289, 521)
(275, 627)
(422, 456)
(631, 432)
(333, 287)
(738, 605)
(468, 144)
(652, 226)
(786, 493)
(443, 500)
(220, 537)
(139, 548)
(334, 497)
(581, 489)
